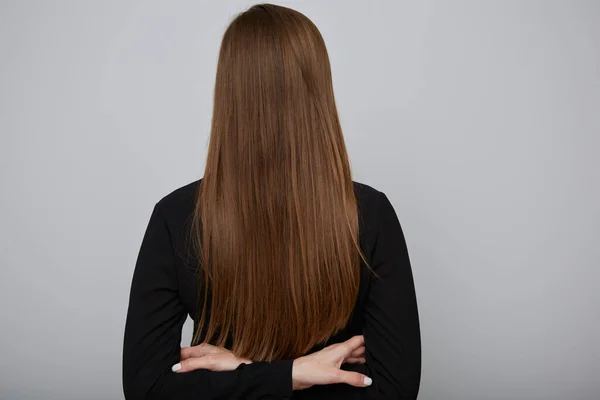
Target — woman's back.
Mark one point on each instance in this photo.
(165, 291)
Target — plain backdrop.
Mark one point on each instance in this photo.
(479, 119)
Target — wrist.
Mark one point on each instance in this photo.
(297, 375)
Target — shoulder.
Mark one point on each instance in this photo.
(180, 197)
(363, 190)
(367, 197)
(177, 206)
(375, 210)
(184, 197)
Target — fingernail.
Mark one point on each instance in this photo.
(176, 367)
(368, 381)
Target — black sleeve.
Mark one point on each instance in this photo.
(155, 318)
(391, 321)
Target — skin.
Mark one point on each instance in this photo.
(320, 368)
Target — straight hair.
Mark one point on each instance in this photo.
(276, 220)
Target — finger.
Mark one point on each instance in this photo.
(355, 360)
(359, 352)
(194, 363)
(353, 378)
(200, 350)
(353, 343)
(213, 362)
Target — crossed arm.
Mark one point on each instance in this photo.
(319, 368)
(390, 341)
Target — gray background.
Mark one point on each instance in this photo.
(479, 119)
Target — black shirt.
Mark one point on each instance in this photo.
(164, 291)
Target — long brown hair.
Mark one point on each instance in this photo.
(276, 219)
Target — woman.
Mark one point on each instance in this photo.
(298, 278)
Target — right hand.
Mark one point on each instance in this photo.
(207, 356)
(323, 367)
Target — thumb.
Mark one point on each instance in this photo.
(353, 378)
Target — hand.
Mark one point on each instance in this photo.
(323, 367)
(207, 356)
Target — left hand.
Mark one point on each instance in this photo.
(207, 356)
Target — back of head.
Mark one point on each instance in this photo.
(276, 219)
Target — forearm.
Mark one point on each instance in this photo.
(256, 381)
